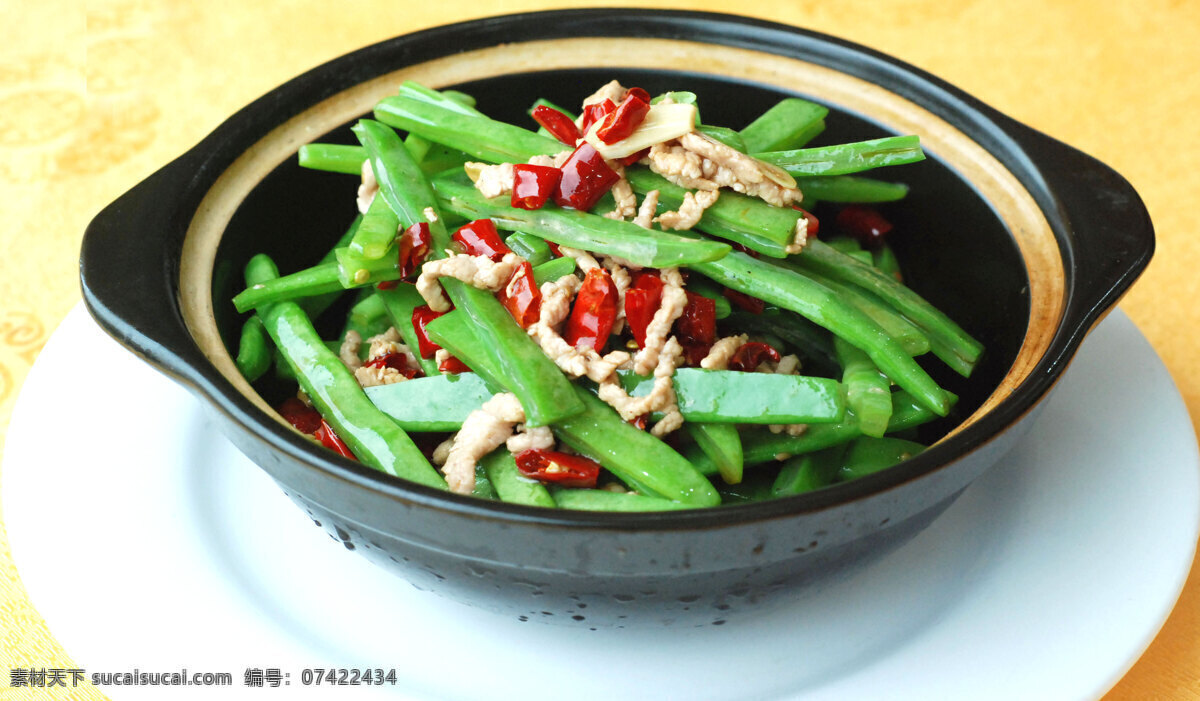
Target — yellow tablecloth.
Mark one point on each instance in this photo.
(95, 96)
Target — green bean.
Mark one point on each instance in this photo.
(483, 489)
(532, 248)
(806, 473)
(374, 438)
(511, 486)
(868, 392)
(908, 335)
(568, 227)
(639, 459)
(448, 99)
(850, 188)
(401, 183)
(789, 124)
(722, 444)
(334, 158)
(368, 316)
(400, 302)
(725, 135)
(316, 305)
(884, 259)
(553, 269)
(377, 232)
(867, 455)
(725, 396)
(432, 403)
(735, 217)
(948, 340)
(318, 280)
(420, 148)
(481, 137)
(845, 244)
(604, 500)
(824, 307)
(841, 159)
(353, 270)
(254, 353)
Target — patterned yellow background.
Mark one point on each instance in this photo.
(95, 95)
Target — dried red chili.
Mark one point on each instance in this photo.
(622, 121)
(421, 317)
(414, 247)
(814, 224)
(642, 300)
(754, 305)
(864, 224)
(453, 366)
(558, 124)
(597, 111)
(533, 185)
(697, 326)
(750, 355)
(330, 440)
(558, 468)
(585, 179)
(480, 238)
(301, 416)
(395, 361)
(521, 297)
(633, 157)
(594, 311)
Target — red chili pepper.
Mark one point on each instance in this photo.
(533, 185)
(594, 311)
(524, 301)
(414, 247)
(754, 305)
(595, 112)
(640, 422)
(480, 238)
(304, 418)
(558, 468)
(421, 316)
(642, 300)
(693, 353)
(585, 179)
(633, 158)
(554, 249)
(330, 440)
(751, 355)
(558, 124)
(387, 285)
(697, 325)
(395, 361)
(621, 122)
(864, 224)
(453, 365)
(640, 93)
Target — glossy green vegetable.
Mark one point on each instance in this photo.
(868, 392)
(825, 308)
(847, 158)
(254, 351)
(721, 396)
(532, 248)
(553, 269)
(334, 158)
(482, 137)
(374, 438)
(868, 455)
(378, 230)
(568, 227)
(850, 188)
(433, 403)
(604, 500)
(722, 444)
(789, 124)
(725, 135)
(806, 473)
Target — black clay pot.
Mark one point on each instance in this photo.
(1023, 240)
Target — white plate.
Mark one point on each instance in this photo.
(148, 542)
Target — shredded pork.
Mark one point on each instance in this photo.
(556, 305)
(368, 188)
(349, 350)
(645, 213)
(484, 430)
(690, 210)
(698, 162)
(722, 351)
(476, 271)
(661, 397)
(674, 299)
(540, 438)
(491, 180)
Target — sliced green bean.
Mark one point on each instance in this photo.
(725, 135)
(481, 137)
(604, 500)
(722, 444)
(368, 316)
(907, 334)
(254, 352)
(847, 158)
(334, 158)
(789, 124)
(850, 188)
(568, 227)
(948, 340)
(401, 183)
(823, 306)
(806, 473)
(553, 269)
(432, 403)
(453, 100)
(868, 455)
(510, 485)
(374, 438)
(868, 392)
(377, 232)
(725, 396)
(885, 260)
(483, 489)
(532, 248)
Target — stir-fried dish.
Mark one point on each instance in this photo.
(628, 309)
